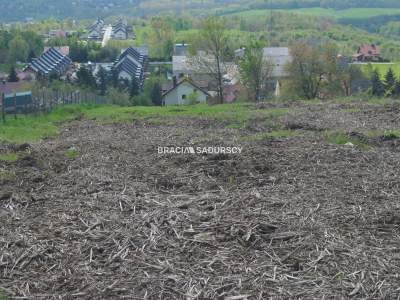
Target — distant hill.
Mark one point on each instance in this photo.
(21, 10)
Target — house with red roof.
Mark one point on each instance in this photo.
(368, 53)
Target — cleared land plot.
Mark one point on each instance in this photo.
(309, 210)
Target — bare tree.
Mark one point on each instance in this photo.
(255, 70)
(212, 51)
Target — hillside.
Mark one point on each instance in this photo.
(295, 215)
(19, 10)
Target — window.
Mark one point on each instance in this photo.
(183, 97)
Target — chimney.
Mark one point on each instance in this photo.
(174, 80)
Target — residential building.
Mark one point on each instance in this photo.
(368, 53)
(279, 57)
(52, 61)
(181, 49)
(120, 30)
(96, 30)
(132, 64)
(183, 92)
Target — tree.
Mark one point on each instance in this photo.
(390, 82)
(85, 77)
(134, 89)
(102, 80)
(306, 70)
(156, 95)
(255, 70)
(31, 56)
(213, 39)
(12, 76)
(378, 88)
(18, 49)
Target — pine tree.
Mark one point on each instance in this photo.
(396, 90)
(378, 88)
(134, 89)
(102, 80)
(390, 82)
(12, 76)
(31, 56)
(85, 77)
(156, 95)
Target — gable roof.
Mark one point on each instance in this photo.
(368, 50)
(186, 80)
(52, 60)
(133, 61)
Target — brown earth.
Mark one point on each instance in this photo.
(289, 218)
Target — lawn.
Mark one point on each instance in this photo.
(382, 68)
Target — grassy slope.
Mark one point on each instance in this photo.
(34, 128)
(382, 68)
(353, 13)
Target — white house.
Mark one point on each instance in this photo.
(184, 92)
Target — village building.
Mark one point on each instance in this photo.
(59, 33)
(181, 49)
(132, 64)
(183, 92)
(51, 62)
(96, 30)
(120, 30)
(367, 53)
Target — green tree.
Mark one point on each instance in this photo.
(306, 70)
(12, 76)
(378, 88)
(85, 77)
(156, 95)
(255, 70)
(390, 82)
(102, 80)
(134, 88)
(213, 39)
(18, 49)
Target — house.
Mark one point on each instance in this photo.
(279, 57)
(52, 61)
(183, 92)
(120, 30)
(181, 49)
(132, 64)
(368, 53)
(96, 30)
(63, 49)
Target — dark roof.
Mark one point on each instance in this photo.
(134, 62)
(51, 61)
(187, 81)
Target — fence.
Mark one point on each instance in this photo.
(44, 101)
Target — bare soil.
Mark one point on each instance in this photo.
(288, 218)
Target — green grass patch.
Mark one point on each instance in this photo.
(33, 128)
(72, 153)
(9, 157)
(393, 133)
(6, 175)
(3, 296)
(340, 138)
